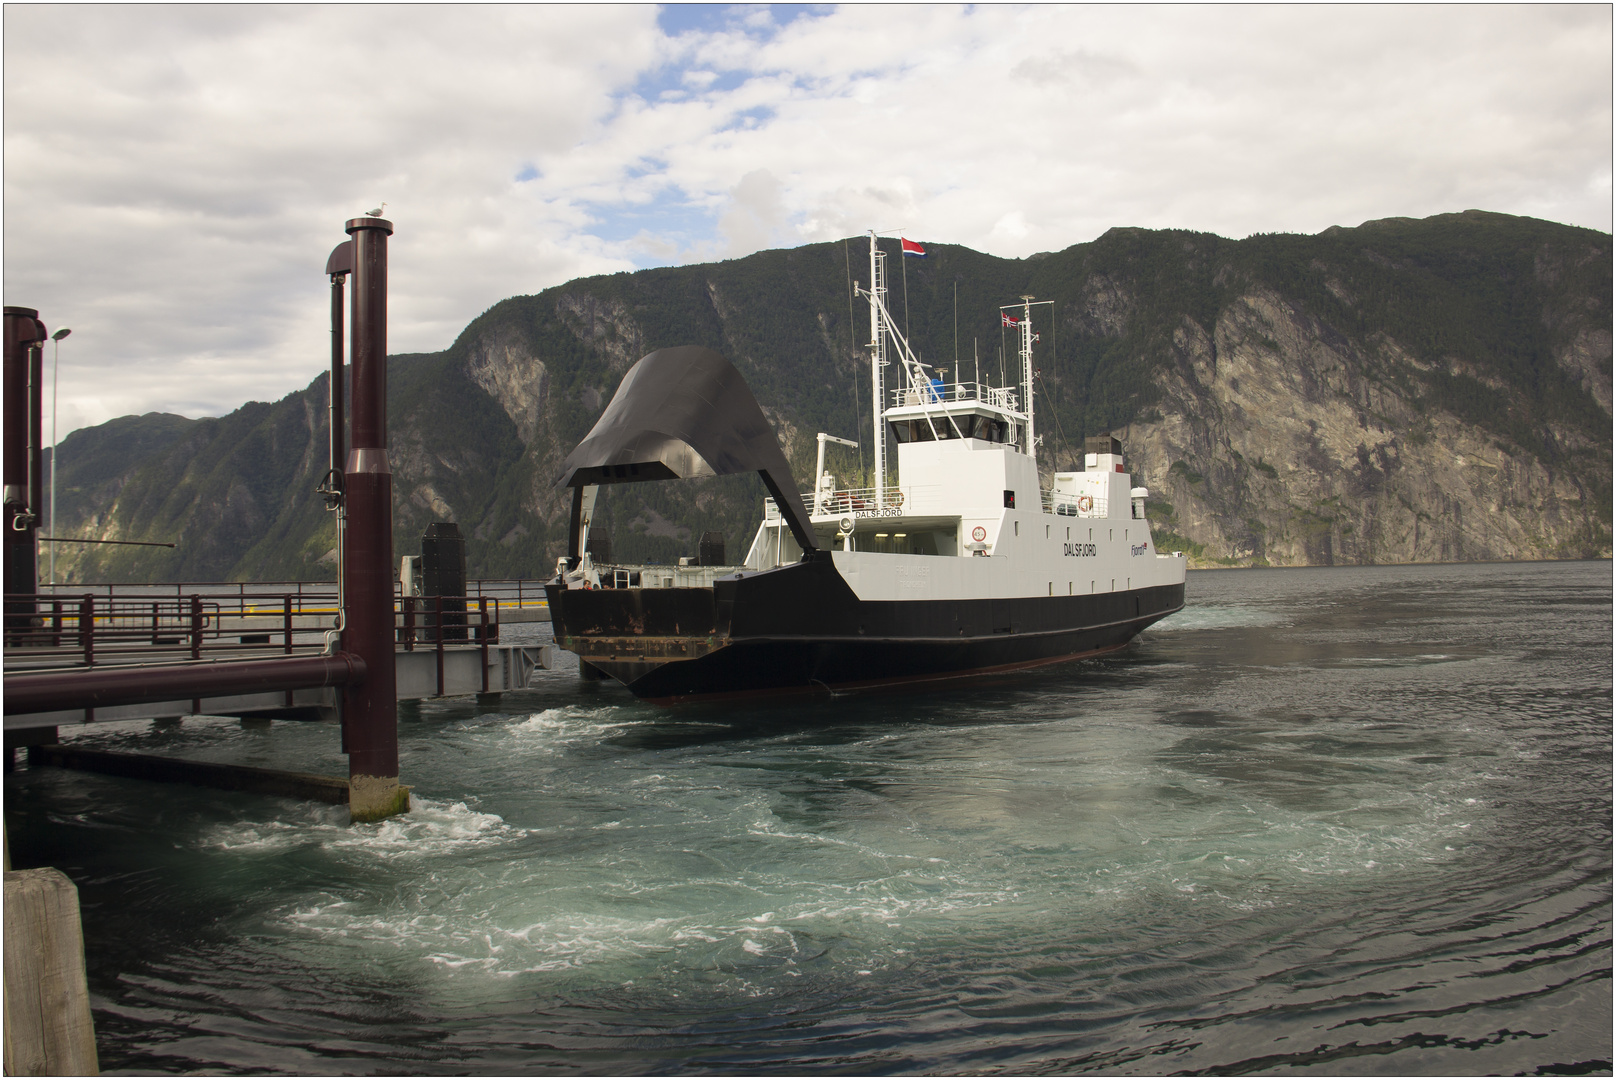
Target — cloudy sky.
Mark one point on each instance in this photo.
(176, 176)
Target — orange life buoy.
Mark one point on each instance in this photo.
(1085, 503)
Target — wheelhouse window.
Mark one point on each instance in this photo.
(968, 426)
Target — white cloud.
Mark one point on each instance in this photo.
(756, 215)
(176, 175)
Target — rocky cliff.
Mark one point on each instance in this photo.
(1277, 446)
(1282, 440)
(1404, 391)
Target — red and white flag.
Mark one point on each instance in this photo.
(1009, 319)
(912, 248)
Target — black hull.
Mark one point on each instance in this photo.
(801, 629)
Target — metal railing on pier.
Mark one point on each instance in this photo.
(120, 628)
(212, 590)
(439, 621)
(54, 630)
(512, 592)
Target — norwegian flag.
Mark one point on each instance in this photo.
(912, 248)
(1009, 319)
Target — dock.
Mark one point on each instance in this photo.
(197, 628)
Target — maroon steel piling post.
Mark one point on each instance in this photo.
(196, 627)
(25, 337)
(286, 632)
(482, 608)
(87, 628)
(370, 708)
(438, 637)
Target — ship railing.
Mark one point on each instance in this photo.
(1004, 397)
(656, 576)
(848, 501)
(939, 392)
(58, 630)
(1074, 504)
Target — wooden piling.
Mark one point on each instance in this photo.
(48, 1031)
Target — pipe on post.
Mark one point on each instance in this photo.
(370, 708)
(36, 440)
(338, 267)
(52, 691)
(339, 412)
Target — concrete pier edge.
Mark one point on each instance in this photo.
(372, 798)
(310, 786)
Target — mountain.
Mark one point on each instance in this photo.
(1403, 391)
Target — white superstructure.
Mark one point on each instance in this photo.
(968, 517)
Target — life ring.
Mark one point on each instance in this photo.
(979, 534)
(1085, 503)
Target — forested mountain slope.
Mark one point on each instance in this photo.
(1403, 391)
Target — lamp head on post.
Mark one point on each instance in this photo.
(60, 334)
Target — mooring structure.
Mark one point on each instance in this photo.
(365, 510)
(359, 657)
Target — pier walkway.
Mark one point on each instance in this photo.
(446, 646)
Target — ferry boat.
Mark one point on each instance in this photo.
(966, 565)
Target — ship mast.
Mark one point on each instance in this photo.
(916, 379)
(1023, 325)
(878, 361)
(1026, 370)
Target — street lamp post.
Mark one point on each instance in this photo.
(56, 355)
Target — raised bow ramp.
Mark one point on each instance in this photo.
(681, 413)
